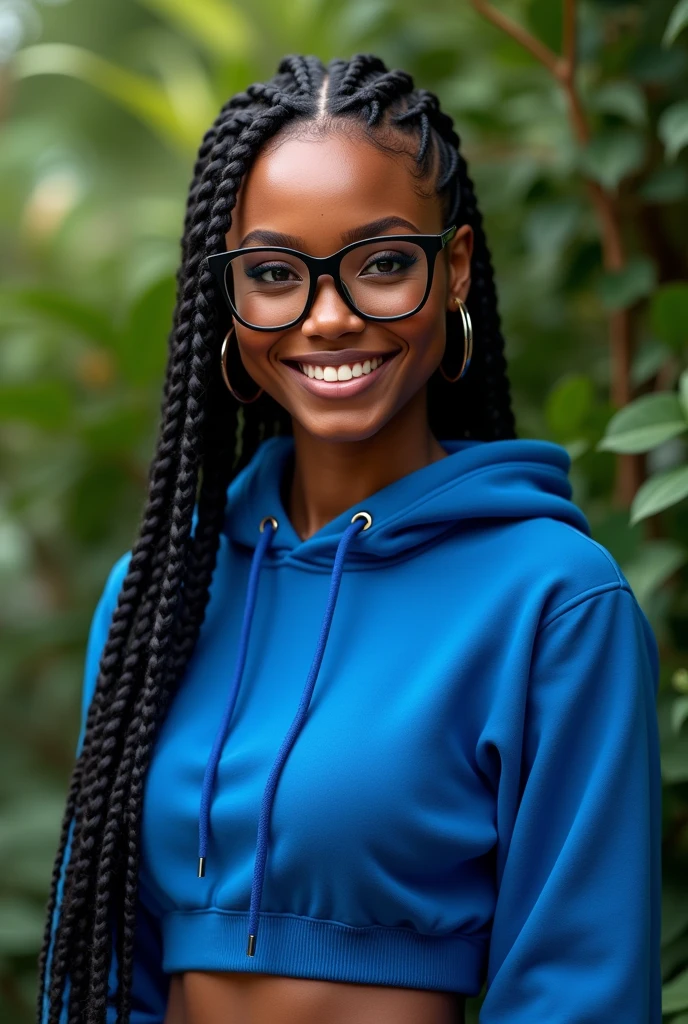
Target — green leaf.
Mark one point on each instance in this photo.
(57, 307)
(141, 96)
(644, 423)
(624, 99)
(675, 994)
(678, 19)
(621, 289)
(674, 957)
(659, 492)
(218, 25)
(666, 185)
(577, 448)
(612, 156)
(679, 713)
(143, 347)
(568, 404)
(672, 128)
(43, 403)
(654, 563)
(674, 912)
(675, 759)
(648, 360)
(683, 392)
(669, 314)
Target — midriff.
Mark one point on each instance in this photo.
(208, 997)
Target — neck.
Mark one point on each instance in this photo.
(331, 476)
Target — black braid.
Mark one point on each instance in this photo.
(205, 438)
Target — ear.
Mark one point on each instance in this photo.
(459, 256)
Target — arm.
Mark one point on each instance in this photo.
(150, 984)
(575, 935)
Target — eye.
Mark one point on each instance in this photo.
(272, 273)
(386, 263)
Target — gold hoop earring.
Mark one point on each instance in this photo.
(223, 361)
(467, 340)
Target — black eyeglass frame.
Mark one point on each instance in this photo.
(320, 265)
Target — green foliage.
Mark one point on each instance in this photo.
(102, 118)
(677, 22)
(669, 315)
(673, 128)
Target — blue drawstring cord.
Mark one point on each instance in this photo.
(221, 735)
(361, 521)
(289, 739)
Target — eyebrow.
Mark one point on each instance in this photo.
(375, 227)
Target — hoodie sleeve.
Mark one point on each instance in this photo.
(576, 929)
(150, 983)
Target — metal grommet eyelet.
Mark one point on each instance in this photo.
(363, 515)
(268, 519)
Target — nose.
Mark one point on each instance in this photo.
(329, 316)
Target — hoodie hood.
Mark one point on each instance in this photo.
(478, 480)
(510, 479)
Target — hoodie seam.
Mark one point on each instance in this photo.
(204, 911)
(451, 484)
(601, 549)
(582, 598)
(370, 566)
(432, 496)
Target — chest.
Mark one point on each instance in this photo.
(382, 772)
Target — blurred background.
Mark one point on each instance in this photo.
(579, 154)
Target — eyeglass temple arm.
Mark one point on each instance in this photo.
(447, 235)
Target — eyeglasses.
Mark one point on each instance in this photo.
(384, 278)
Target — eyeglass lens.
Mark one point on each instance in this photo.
(269, 289)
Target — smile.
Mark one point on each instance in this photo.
(342, 380)
(343, 371)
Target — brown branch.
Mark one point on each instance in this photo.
(630, 472)
(568, 41)
(530, 42)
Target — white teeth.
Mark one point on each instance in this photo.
(343, 372)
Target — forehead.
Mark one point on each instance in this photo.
(318, 188)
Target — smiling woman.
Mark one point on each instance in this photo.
(368, 717)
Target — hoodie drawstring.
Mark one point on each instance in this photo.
(360, 521)
(221, 735)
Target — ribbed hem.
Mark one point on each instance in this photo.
(303, 947)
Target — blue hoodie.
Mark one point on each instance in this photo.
(421, 752)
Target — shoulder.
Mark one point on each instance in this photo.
(550, 563)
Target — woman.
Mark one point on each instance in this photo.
(470, 794)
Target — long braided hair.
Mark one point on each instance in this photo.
(205, 439)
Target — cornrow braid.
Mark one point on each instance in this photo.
(205, 438)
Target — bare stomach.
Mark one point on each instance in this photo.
(208, 997)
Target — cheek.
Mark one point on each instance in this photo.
(424, 333)
(255, 346)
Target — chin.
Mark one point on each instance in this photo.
(342, 429)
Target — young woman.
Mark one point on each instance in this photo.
(368, 717)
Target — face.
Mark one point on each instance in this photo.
(316, 191)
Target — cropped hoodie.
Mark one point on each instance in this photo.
(418, 748)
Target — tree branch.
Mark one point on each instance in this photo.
(538, 49)
(630, 472)
(568, 41)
